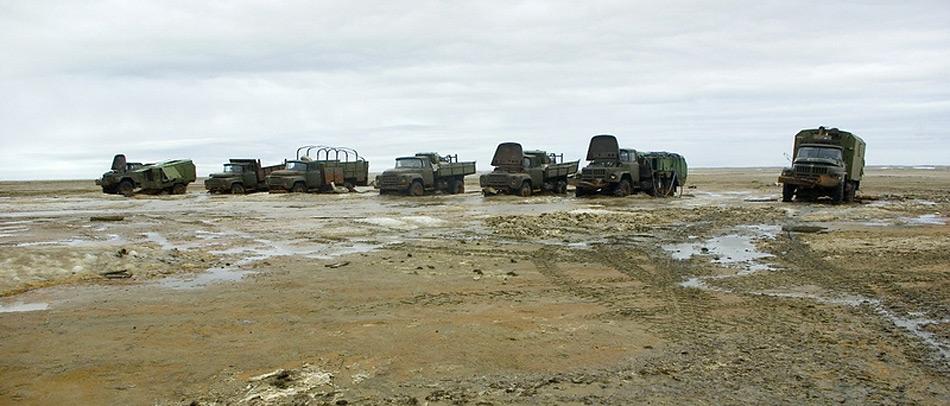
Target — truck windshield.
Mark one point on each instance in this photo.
(819, 153)
(296, 166)
(228, 168)
(409, 163)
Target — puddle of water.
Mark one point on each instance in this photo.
(737, 250)
(925, 220)
(17, 307)
(74, 242)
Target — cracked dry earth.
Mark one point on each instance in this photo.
(724, 295)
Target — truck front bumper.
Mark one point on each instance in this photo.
(213, 184)
(810, 181)
(280, 184)
(591, 184)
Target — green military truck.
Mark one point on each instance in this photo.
(526, 172)
(331, 167)
(126, 178)
(825, 162)
(425, 172)
(240, 176)
(624, 171)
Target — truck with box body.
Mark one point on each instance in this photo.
(825, 162)
(526, 172)
(425, 172)
(624, 171)
(126, 178)
(332, 167)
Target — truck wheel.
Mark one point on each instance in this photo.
(525, 190)
(459, 186)
(850, 190)
(578, 192)
(179, 189)
(561, 187)
(299, 187)
(237, 189)
(416, 189)
(126, 188)
(788, 192)
(837, 194)
(623, 189)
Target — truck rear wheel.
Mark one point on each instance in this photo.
(580, 192)
(179, 189)
(237, 189)
(525, 190)
(561, 187)
(623, 189)
(788, 192)
(850, 190)
(299, 187)
(457, 186)
(416, 189)
(126, 188)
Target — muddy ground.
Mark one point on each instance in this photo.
(724, 295)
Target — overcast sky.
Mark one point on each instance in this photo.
(726, 83)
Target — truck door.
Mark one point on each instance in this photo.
(535, 171)
(313, 176)
(428, 172)
(248, 176)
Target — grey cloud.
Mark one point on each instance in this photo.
(726, 83)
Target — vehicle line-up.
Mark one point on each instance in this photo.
(825, 162)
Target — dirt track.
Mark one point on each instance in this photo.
(281, 299)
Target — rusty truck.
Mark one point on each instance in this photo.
(240, 176)
(623, 171)
(425, 172)
(526, 172)
(126, 178)
(328, 168)
(825, 162)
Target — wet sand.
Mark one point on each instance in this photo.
(367, 299)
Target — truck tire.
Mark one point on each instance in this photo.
(179, 189)
(237, 189)
(788, 192)
(837, 193)
(623, 189)
(298, 187)
(525, 190)
(850, 190)
(451, 187)
(561, 187)
(416, 189)
(126, 188)
(579, 192)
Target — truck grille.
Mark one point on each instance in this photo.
(389, 180)
(493, 179)
(593, 173)
(811, 170)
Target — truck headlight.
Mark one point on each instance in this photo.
(613, 176)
